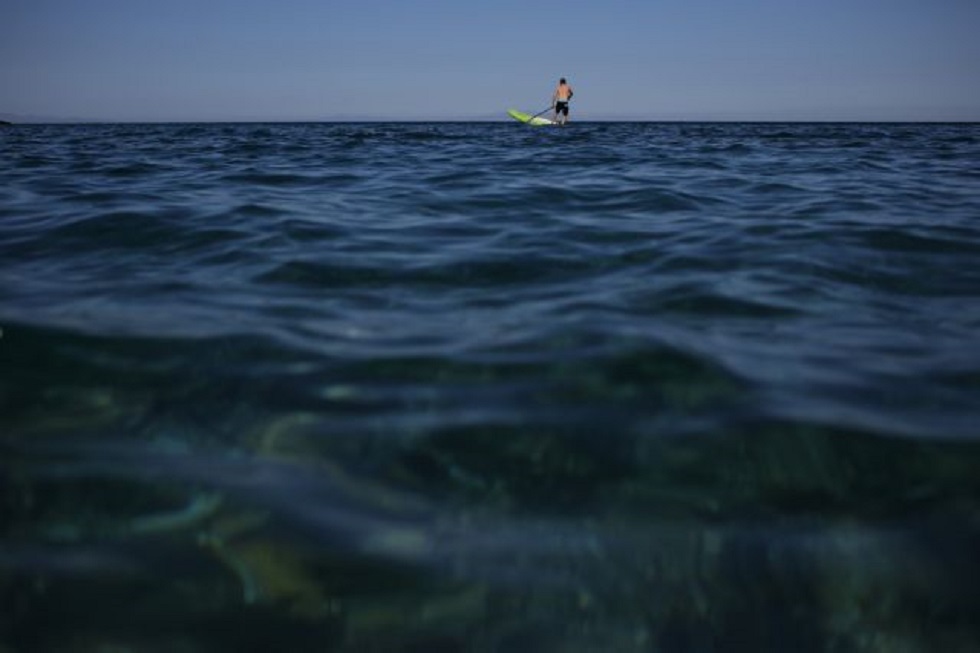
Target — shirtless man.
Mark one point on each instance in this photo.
(560, 100)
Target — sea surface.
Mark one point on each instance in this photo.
(485, 387)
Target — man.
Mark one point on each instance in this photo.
(563, 94)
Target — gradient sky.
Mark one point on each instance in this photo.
(165, 60)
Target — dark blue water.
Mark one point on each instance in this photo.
(613, 387)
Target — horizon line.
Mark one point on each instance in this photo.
(25, 120)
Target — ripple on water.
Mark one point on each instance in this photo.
(377, 386)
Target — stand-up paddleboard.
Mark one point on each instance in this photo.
(528, 119)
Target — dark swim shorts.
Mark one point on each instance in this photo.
(561, 107)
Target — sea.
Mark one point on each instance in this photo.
(485, 387)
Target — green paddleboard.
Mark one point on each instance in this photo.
(528, 119)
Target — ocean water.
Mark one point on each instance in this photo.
(483, 387)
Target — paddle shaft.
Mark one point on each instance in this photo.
(542, 111)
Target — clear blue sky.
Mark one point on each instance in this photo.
(167, 60)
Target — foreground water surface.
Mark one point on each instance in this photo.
(612, 387)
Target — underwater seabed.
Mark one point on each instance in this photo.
(777, 536)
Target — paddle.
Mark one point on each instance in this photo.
(545, 110)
